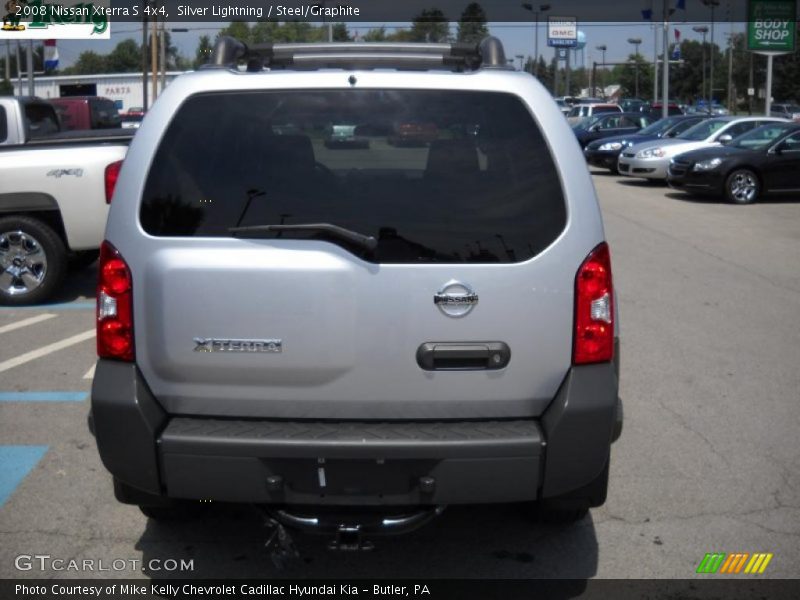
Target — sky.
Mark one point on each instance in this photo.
(518, 38)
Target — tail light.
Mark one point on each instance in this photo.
(112, 174)
(114, 306)
(594, 309)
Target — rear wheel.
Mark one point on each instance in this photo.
(33, 261)
(742, 186)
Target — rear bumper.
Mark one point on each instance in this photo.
(355, 463)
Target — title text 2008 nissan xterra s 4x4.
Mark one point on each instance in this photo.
(302, 325)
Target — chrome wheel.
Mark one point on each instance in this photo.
(23, 263)
(743, 187)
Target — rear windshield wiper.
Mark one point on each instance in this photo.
(366, 242)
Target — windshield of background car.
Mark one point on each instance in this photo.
(703, 130)
(759, 138)
(658, 127)
(476, 184)
(793, 108)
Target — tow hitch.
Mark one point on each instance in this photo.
(348, 527)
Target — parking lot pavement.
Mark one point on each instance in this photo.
(709, 295)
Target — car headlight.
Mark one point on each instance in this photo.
(652, 153)
(707, 165)
(610, 146)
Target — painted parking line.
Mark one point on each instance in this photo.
(45, 350)
(43, 396)
(87, 305)
(17, 462)
(26, 322)
(90, 373)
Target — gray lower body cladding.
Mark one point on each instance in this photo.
(355, 463)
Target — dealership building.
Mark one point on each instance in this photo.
(125, 89)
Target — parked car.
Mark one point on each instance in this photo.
(608, 124)
(131, 119)
(605, 152)
(366, 329)
(655, 110)
(25, 118)
(53, 206)
(765, 160)
(650, 159)
(563, 106)
(412, 133)
(87, 112)
(787, 111)
(345, 135)
(580, 111)
(631, 104)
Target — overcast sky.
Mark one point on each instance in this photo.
(518, 38)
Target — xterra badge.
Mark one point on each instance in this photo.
(219, 345)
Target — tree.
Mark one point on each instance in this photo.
(203, 53)
(376, 35)
(625, 75)
(6, 88)
(126, 57)
(472, 25)
(430, 26)
(88, 63)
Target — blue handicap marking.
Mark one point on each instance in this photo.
(15, 464)
(43, 396)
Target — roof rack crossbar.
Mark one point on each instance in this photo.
(229, 52)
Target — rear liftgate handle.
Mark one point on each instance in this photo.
(463, 356)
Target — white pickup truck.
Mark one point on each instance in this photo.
(54, 196)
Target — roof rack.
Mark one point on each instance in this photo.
(487, 54)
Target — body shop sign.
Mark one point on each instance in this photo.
(772, 26)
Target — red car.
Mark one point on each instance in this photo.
(413, 133)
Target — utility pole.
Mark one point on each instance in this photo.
(154, 58)
(31, 87)
(8, 60)
(665, 70)
(704, 30)
(536, 13)
(731, 95)
(711, 4)
(144, 62)
(636, 42)
(602, 48)
(163, 58)
(19, 69)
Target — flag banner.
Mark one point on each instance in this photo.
(50, 55)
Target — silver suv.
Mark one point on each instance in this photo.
(303, 325)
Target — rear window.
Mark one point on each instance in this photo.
(41, 119)
(434, 176)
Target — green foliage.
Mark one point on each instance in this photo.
(6, 88)
(288, 32)
(203, 52)
(472, 25)
(126, 57)
(430, 26)
(88, 63)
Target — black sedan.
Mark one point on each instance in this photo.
(605, 152)
(765, 160)
(606, 125)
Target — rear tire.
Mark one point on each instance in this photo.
(33, 261)
(742, 187)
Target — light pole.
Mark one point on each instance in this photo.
(636, 42)
(704, 30)
(542, 8)
(603, 48)
(163, 50)
(712, 4)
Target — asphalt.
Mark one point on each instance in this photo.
(708, 461)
